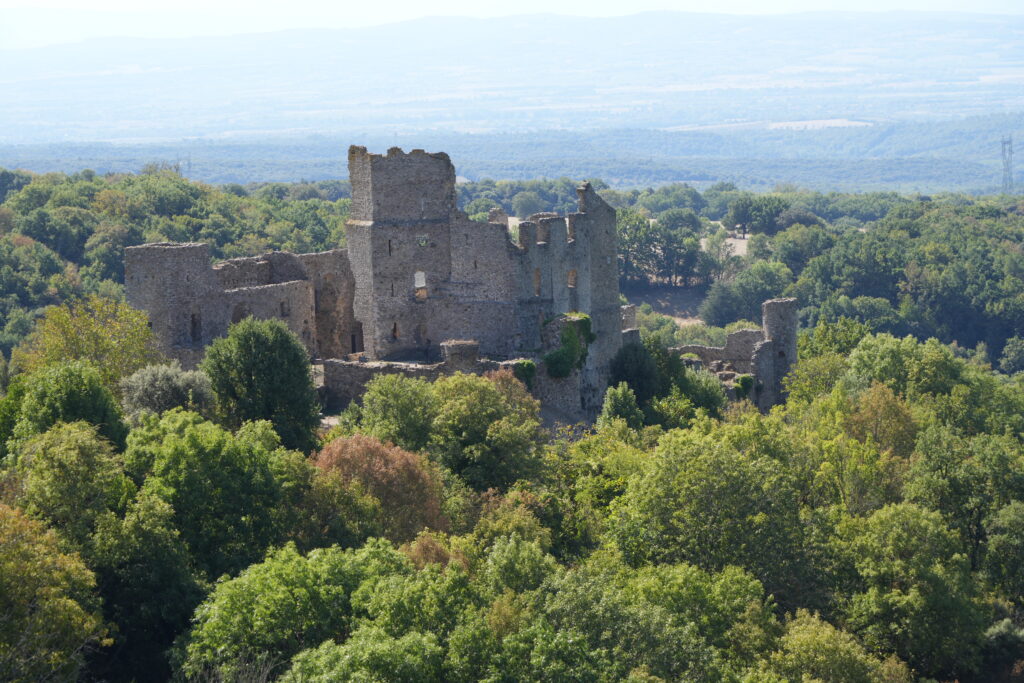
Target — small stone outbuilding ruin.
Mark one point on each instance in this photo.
(767, 354)
(416, 272)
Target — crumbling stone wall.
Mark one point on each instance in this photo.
(738, 351)
(416, 272)
(175, 285)
(191, 302)
(778, 351)
(768, 353)
(346, 380)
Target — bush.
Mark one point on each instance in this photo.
(226, 489)
(674, 411)
(72, 476)
(47, 600)
(560, 363)
(634, 365)
(283, 605)
(572, 352)
(399, 410)
(743, 386)
(620, 404)
(371, 655)
(487, 429)
(525, 370)
(67, 393)
(1012, 359)
(111, 335)
(703, 389)
(404, 483)
(261, 371)
(158, 388)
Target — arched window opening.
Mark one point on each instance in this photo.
(571, 280)
(536, 281)
(285, 309)
(394, 332)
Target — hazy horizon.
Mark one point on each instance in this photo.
(27, 24)
(919, 99)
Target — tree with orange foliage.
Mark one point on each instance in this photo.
(404, 482)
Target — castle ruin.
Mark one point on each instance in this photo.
(767, 354)
(416, 272)
(422, 290)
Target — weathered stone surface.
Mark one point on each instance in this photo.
(768, 353)
(416, 272)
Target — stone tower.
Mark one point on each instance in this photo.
(774, 357)
(597, 289)
(399, 245)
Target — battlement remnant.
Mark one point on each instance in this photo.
(419, 283)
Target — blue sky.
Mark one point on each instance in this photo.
(32, 23)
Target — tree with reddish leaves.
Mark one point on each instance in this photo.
(405, 483)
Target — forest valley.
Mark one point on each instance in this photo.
(158, 523)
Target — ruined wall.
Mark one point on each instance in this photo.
(175, 285)
(400, 237)
(768, 353)
(191, 302)
(779, 317)
(399, 187)
(417, 271)
(337, 332)
(629, 317)
(345, 381)
(738, 350)
(597, 290)
(423, 271)
(291, 302)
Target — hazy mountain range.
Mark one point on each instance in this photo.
(676, 91)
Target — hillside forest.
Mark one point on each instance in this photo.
(159, 523)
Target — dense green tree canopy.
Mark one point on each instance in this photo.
(261, 371)
(67, 392)
(868, 529)
(48, 602)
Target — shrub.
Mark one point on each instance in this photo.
(111, 335)
(487, 429)
(399, 410)
(71, 477)
(744, 384)
(261, 371)
(405, 484)
(572, 353)
(525, 370)
(158, 388)
(67, 393)
(47, 600)
(634, 365)
(620, 404)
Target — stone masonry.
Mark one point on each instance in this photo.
(417, 272)
(767, 354)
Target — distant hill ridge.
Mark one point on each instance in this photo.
(652, 97)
